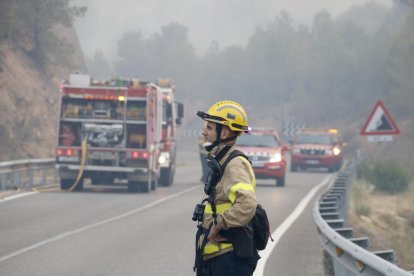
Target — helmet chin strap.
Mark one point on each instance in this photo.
(212, 146)
(209, 148)
(217, 142)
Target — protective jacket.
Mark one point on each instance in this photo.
(235, 201)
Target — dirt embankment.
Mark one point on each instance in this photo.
(29, 102)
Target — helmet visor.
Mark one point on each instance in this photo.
(206, 116)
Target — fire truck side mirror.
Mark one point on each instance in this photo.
(180, 113)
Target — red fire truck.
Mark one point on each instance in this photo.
(109, 132)
(172, 114)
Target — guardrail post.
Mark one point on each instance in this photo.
(44, 176)
(31, 179)
(340, 270)
(3, 180)
(55, 176)
(17, 181)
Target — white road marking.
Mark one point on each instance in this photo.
(17, 196)
(281, 230)
(76, 231)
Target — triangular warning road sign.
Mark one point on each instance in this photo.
(379, 122)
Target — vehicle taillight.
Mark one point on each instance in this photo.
(137, 154)
(145, 155)
(67, 152)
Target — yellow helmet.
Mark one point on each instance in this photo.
(227, 113)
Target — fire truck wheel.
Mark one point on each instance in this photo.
(154, 185)
(133, 186)
(65, 184)
(145, 186)
(280, 181)
(79, 186)
(166, 178)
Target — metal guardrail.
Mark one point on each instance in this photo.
(349, 255)
(26, 174)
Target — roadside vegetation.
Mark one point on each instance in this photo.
(33, 27)
(382, 208)
(387, 176)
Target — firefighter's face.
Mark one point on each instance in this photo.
(209, 131)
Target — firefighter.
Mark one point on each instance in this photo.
(234, 203)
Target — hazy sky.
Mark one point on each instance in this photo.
(230, 22)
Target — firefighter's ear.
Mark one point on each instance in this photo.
(225, 132)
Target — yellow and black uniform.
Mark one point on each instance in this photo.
(234, 198)
(235, 207)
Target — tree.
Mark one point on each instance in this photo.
(99, 67)
(400, 69)
(31, 25)
(5, 18)
(163, 55)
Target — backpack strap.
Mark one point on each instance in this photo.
(232, 155)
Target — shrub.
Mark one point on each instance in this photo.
(408, 215)
(362, 209)
(387, 176)
(361, 190)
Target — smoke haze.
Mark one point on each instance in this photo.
(229, 22)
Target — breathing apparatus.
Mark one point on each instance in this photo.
(214, 176)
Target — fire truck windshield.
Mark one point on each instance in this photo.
(321, 139)
(265, 141)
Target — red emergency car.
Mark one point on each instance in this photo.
(266, 152)
(317, 148)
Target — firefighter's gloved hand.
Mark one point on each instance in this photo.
(214, 236)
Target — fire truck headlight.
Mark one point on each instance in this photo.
(336, 151)
(162, 159)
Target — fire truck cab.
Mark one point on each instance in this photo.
(172, 114)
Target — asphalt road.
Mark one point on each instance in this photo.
(107, 231)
